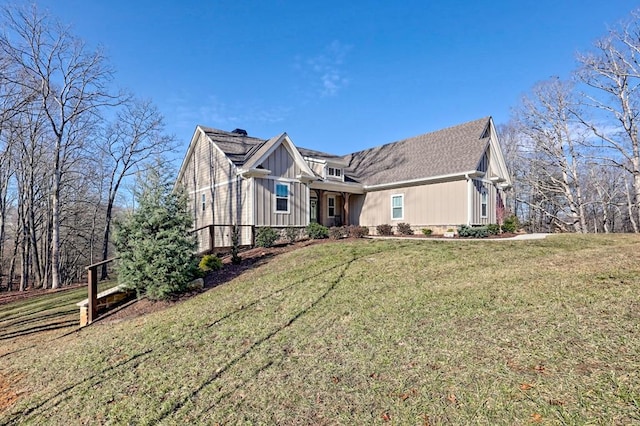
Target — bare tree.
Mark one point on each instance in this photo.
(68, 81)
(612, 76)
(551, 141)
(135, 137)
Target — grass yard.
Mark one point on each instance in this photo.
(363, 332)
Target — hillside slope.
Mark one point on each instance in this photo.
(407, 332)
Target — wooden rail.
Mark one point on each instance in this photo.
(92, 288)
(212, 235)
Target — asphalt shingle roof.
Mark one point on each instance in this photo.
(448, 151)
(456, 149)
(236, 146)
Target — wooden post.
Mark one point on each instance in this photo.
(212, 238)
(345, 208)
(320, 193)
(93, 294)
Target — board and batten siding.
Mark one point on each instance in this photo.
(437, 204)
(283, 169)
(207, 171)
(281, 163)
(265, 203)
(492, 194)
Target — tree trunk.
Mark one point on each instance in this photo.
(105, 241)
(55, 232)
(630, 207)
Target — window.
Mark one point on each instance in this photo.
(204, 202)
(397, 207)
(332, 171)
(282, 198)
(483, 203)
(331, 206)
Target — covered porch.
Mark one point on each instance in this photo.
(329, 203)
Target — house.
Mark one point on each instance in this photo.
(437, 180)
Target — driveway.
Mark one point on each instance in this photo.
(534, 236)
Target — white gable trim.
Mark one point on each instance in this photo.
(192, 146)
(290, 147)
(497, 155)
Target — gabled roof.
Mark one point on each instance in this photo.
(258, 156)
(238, 147)
(451, 151)
(443, 154)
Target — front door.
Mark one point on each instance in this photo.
(313, 210)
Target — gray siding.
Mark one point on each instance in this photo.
(227, 199)
(265, 215)
(476, 216)
(438, 204)
(281, 163)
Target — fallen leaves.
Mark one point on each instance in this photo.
(406, 395)
(525, 386)
(536, 418)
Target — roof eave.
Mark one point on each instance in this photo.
(426, 180)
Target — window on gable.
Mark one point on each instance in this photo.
(331, 206)
(397, 207)
(282, 198)
(483, 203)
(204, 202)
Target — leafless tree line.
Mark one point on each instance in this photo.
(573, 146)
(68, 143)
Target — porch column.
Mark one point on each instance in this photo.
(320, 207)
(345, 207)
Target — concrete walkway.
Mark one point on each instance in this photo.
(535, 236)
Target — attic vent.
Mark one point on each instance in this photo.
(240, 132)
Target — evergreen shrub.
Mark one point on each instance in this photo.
(155, 243)
(473, 231)
(511, 224)
(210, 262)
(315, 231)
(266, 237)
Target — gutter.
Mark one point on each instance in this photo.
(466, 175)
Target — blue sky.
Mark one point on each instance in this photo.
(337, 76)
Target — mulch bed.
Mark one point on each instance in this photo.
(250, 259)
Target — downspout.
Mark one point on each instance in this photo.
(252, 192)
(469, 198)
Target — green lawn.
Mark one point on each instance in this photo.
(44, 312)
(404, 332)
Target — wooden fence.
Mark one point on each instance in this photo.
(214, 238)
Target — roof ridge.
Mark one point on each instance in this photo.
(421, 135)
(227, 133)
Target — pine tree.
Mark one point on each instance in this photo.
(154, 242)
